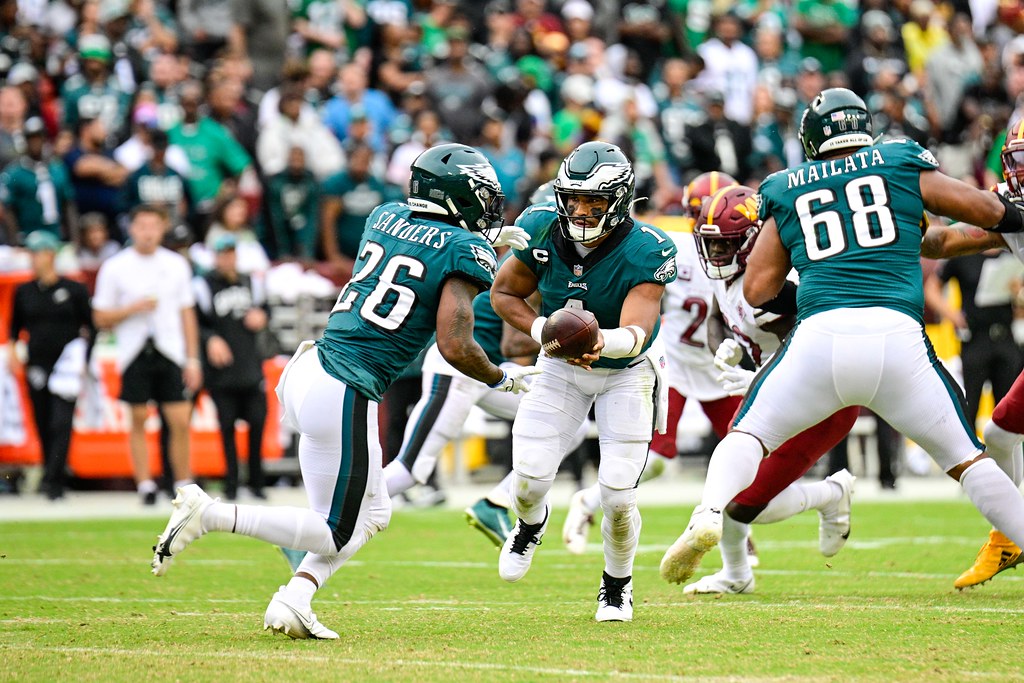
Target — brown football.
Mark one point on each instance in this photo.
(569, 333)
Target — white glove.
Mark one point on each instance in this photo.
(729, 354)
(515, 380)
(735, 380)
(508, 236)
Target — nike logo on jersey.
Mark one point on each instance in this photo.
(666, 252)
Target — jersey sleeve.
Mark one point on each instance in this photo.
(910, 154)
(537, 221)
(656, 255)
(767, 202)
(474, 260)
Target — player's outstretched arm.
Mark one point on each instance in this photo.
(959, 239)
(950, 197)
(767, 266)
(455, 332)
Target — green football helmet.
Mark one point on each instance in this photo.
(459, 184)
(595, 169)
(836, 119)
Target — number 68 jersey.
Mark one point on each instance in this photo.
(387, 312)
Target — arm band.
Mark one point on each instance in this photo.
(623, 342)
(1012, 220)
(784, 302)
(536, 327)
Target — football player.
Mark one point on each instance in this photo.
(724, 234)
(1005, 431)
(850, 221)
(420, 265)
(587, 252)
(691, 371)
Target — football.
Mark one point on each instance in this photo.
(569, 333)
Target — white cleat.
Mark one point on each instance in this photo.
(615, 599)
(576, 529)
(184, 526)
(718, 583)
(283, 615)
(702, 534)
(834, 521)
(517, 551)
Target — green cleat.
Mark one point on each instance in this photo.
(292, 557)
(491, 519)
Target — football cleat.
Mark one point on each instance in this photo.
(702, 534)
(577, 525)
(285, 616)
(492, 520)
(184, 526)
(718, 583)
(517, 551)
(753, 560)
(998, 554)
(834, 520)
(615, 599)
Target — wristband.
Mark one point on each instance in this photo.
(537, 327)
(504, 376)
(1012, 220)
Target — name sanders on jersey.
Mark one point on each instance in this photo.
(826, 169)
(429, 235)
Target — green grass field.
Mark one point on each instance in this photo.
(423, 602)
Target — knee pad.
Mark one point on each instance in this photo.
(529, 491)
(622, 463)
(536, 449)
(616, 502)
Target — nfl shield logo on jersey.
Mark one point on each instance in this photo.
(577, 270)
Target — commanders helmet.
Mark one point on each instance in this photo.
(459, 184)
(836, 119)
(704, 185)
(597, 169)
(726, 230)
(1012, 157)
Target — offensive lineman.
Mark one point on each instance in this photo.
(587, 252)
(420, 265)
(850, 221)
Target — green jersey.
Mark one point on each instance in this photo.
(36, 194)
(488, 326)
(105, 100)
(387, 312)
(600, 281)
(213, 154)
(853, 227)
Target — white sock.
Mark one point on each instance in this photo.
(529, 498)
(996, 498)
(1005, 448)
(733, 468)
(733, 547)
(303, 589)
(182, 482)
(620, 529)
(397, 478)
(654, 467)
(146, 486)
(499, 495)
(798, 497)
(592, 498)
(291, 527)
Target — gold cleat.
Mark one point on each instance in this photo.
(998, 554)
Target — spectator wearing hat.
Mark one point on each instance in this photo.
(144, 295)
(232, 313)
(54, 312)
(825, 27)
(353, 93)
(293, 210)
(730, 63)
(457, 89)
(296, 127)
(35, 190)
(578, 16)
(94, 92)
(347, 200)
(155, 182)
(96, 176)
(878, 49)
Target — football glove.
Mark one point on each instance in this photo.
(735, 380)
(515, 379)
(508, 236)
(729, 354)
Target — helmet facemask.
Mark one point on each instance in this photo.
(490, 205)
(1013, 167)
(724, 256)
(588, 227)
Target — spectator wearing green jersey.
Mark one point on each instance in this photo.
(293, 207)
(35, 190)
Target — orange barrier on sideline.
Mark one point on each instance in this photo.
(103, 453)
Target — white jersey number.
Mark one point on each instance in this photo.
(389, 304)
(874, 224)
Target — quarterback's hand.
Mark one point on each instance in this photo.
(508, 236)
(735, 380)
(515, 379)
(729, 354)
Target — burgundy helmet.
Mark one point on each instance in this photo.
(725, 231)
(704, 185)
(1013, 158)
